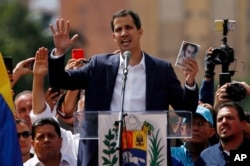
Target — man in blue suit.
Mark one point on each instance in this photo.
(151, 83)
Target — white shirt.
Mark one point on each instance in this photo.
(65, 161)
(135, 90)
(70, 142)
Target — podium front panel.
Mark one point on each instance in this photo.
(86, 122)
(143, 138)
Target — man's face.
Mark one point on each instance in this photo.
(189, 52)
(201, 131)
(24, 139)
(229, 125)
(23, 105)
(47, 144)
(125, 34)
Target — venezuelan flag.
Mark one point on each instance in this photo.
(10, 153)
(5, 87)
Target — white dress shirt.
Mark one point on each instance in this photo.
(135, 89)
(65, 161)
(70, 142)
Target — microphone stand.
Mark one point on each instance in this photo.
(121, 116)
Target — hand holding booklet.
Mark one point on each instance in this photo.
(187, 50)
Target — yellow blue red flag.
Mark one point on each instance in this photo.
(10, 153)
(5, 87)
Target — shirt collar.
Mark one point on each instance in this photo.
(142, 62)
(64, 159)
(186, 150)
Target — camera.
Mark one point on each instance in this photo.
(225, 54)
(235, 92)
(222, 55)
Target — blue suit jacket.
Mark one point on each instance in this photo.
(98, 79)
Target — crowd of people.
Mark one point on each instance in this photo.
(45, 120)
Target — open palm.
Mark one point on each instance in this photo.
(41, 62)
(61, 37)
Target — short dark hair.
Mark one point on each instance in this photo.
(237, 107)
(44, 121)
(190, 44)
(123, 13)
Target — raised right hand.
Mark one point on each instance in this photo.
(61, 38)
(41, 62)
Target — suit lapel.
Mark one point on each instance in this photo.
(112, 70)
(150, 79)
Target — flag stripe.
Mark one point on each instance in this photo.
(10, 153)
(5, 87)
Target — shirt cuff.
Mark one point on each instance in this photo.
(191, 88)
(52, 54)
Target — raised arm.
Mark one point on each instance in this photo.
(71, 97)
(40, 70)
(206, 94)
(22, 68)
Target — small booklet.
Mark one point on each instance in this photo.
(187, 50)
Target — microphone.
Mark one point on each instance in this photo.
(127, 55)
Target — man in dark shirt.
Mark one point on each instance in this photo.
(231, 121)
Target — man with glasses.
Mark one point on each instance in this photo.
(24, 136)
(202, 130)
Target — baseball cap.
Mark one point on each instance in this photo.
(201, 112)
(205, 113)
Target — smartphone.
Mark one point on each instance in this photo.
(77, 53)
(32, 65)
(218, 25)
(8, 64)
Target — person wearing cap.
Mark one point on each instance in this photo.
(230, 124)
(202, 130)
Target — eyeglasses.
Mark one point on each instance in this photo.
(25, 134)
